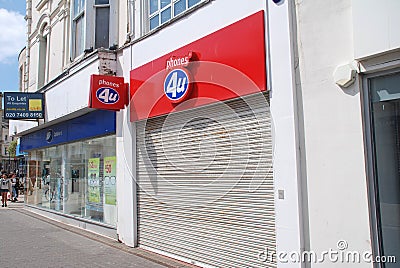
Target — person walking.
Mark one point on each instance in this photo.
(14, 185)
(5, 187)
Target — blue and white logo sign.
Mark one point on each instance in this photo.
(176, 85)
(49, 135)
(107, 95)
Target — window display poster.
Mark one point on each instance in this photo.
(94, 180)
(110, 165)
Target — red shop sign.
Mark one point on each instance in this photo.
(223, 65)
(108, 92)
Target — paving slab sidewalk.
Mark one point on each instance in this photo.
(30, 240)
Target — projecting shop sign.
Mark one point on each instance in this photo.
(108, 92)
(23, 105)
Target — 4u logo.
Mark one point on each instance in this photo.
(176, 85)
(107, 95)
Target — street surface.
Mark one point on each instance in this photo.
(28, 240)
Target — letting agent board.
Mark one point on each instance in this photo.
(23, 105)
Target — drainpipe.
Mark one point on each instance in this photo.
(300, 135)
(130, 20)
(282, 37)
(28, 18)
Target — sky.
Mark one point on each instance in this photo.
(12, 41)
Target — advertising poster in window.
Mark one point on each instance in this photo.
(110, 164)
(94, 180)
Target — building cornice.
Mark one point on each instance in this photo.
(41, 4)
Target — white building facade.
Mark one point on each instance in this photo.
(256, 133)
(74, 146)
(347, 64)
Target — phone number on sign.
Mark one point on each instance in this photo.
(23, 115)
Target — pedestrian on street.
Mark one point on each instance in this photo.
(5, 187)
(14, 184)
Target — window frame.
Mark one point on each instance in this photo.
(43, 64)
(99, 6)
(370, 160)
(21, 78)
(74, 18)
(147, 16)
(89, 26)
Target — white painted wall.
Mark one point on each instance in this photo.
(71, 94)
(35, 14)
(122, 24)
(283, 111)
(55, 52)
(375, 26)
(17, 126)
(191, 28)
(67, 96)
(49, 14)
(336, 179)
(126, 159)
(33, 66)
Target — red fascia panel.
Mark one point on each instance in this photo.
(226, 64)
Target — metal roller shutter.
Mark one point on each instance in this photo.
(206, 185)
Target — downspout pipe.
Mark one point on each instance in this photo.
(28, 19)
(130, 20)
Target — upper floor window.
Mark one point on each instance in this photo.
(78, 27)
(162, 11)
(21, 78)
(94, 25)
(42, 60)
(102, 31)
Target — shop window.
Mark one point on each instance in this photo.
(162, 11)
(76, 179)
(93, 26)
(384, 112)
